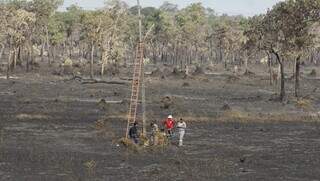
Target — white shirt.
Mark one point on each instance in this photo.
(181, 126)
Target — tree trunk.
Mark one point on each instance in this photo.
(282, 87)
(225, 62)
(246, 61)
(294, 68)
(102, 69)
(297, 77)
(211, 50)
(15, 59)
(220, 54)
(32, 56)
(270, 69)
(54, 52)
(91, 62)
(103, 60)
(64, 49)
(19, 56)
(312, 57)
(48, 45)
(9, 64)
(282, 78)
(2, 50)
(70, 46)
(175, 54)
(42, 52)
(28, 59)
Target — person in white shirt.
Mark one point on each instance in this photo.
(181, 130)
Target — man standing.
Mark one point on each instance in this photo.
(133, 133)
(169, 125)
(182, 130)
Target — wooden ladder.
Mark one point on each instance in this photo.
(135, 89)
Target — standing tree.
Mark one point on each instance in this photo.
(265, 34)
(284, 32)
(191, 21)
(3, 28)
(20, 25)
(44, 10)
(92, 29)
(112, 34)
(298, 16)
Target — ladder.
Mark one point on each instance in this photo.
(135, 89)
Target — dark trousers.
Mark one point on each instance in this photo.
(135, 139)
(169, 132)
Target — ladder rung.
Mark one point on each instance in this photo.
(133, 110)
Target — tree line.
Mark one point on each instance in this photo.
(194, 35)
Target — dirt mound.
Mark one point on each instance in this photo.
(157, 73)
(226, 107)
(198, 71)
(186, 84)
(194, 70)
(102, 104)
(167, 102)
(232, 79)
(112, 70)
(249, 73)
(313, 73)
(67, 70)
(178, 73)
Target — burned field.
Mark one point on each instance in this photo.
(54, 128)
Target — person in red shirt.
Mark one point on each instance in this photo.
(169, 124)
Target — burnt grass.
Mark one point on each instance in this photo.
(48, 131)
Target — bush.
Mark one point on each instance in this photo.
(128, 143)
(67, 62)
(304, 104)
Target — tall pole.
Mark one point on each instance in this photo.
(143, 88)
(140, 22)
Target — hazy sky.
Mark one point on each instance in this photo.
(232, 7)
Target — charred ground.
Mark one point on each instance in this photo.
(55, 128)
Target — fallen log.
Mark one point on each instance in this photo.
(309, 78)
(126, 78)
(105, 82)
(96, 81)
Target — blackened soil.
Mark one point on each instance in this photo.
(48, 132)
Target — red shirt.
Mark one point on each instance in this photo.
(169, 123)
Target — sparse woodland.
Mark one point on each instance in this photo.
(35, 31)
(248, 89)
